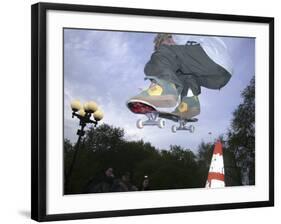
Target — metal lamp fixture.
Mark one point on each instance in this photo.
(84, 113)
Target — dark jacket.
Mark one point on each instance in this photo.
(188, 66)
(100, 185)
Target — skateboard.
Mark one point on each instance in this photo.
(156, 117)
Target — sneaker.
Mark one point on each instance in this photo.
(160, 93)
(188, 108)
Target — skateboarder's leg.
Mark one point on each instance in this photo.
(189, 107)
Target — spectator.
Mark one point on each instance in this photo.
(125, 183)
(145, 184)
(103, 184)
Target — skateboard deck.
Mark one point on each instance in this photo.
(155, 116)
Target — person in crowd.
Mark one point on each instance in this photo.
(103, 184)
(125, 183)
(145, 184)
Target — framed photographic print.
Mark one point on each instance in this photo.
(138, 111)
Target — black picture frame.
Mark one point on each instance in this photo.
(39, 112)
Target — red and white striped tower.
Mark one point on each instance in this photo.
(216, 171)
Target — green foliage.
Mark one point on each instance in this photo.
(241, 136)
(104, 137)
(105, 147)
(68, 154)
(204, 156)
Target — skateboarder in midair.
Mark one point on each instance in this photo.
(176, 69)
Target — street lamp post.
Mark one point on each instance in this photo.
(83, 113)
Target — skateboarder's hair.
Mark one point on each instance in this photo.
(160, 37)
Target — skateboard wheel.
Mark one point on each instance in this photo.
(161, 123)
(174, 128)
(140, 124)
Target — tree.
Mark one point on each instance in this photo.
(172, 169)
(241, 136)
(103, 137)
(105, 147)
(204, 157)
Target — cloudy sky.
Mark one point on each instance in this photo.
(107, 67)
